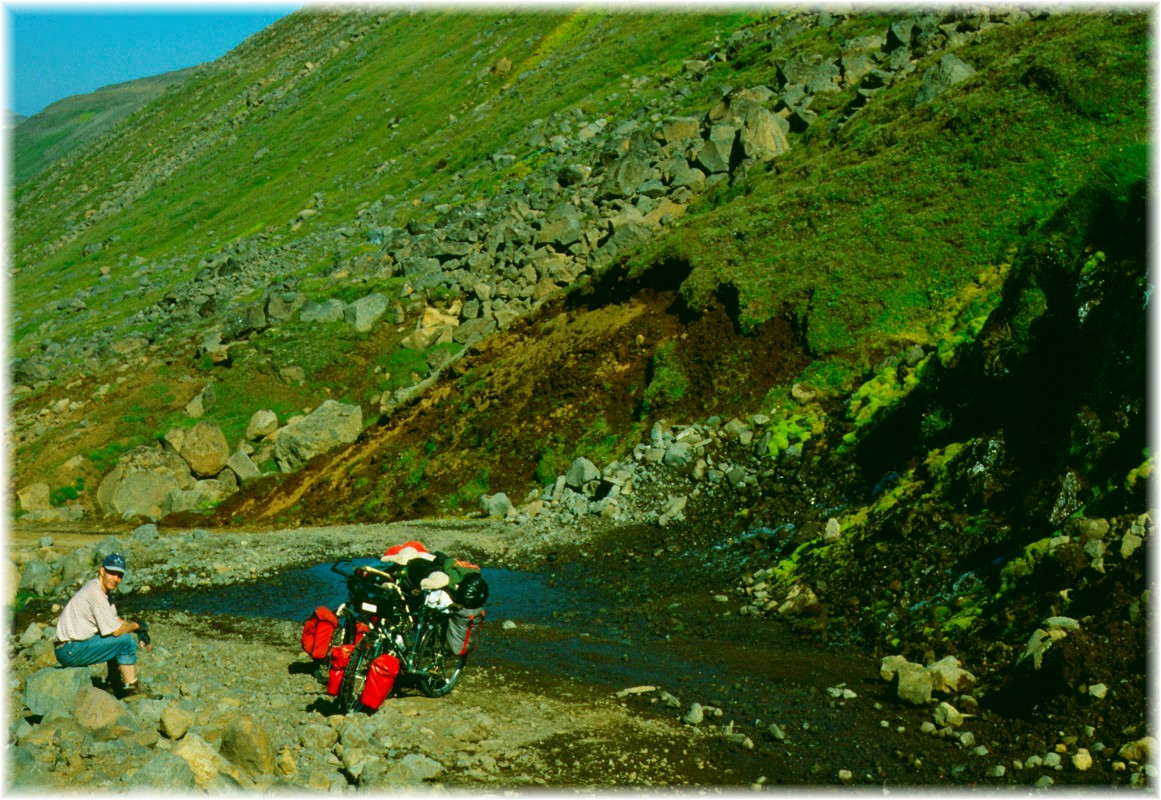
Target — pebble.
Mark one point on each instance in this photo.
(1082, 760)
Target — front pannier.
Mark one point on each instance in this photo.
(340, 657)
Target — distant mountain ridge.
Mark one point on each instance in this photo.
(72, 122)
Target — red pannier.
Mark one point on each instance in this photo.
(464, 628)
(318, 631)
(380, 679)
(340, 656)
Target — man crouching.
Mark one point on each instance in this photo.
(89, 631)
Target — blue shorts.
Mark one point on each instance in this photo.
(97, 650)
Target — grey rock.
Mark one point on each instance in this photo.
(412, 769)
(318, 738)
(32, 634)
(950, 70)
(626, 174)
(262, 423)
(140, 482)
(329, 310)
(95, 708)
(36, 577)
(205, 449)
(717, 154)
(914, 683)
(166, 771)
(495, 505)
(363, 313)
(200, 497)
(331, 425)
(581, 472)
(281, 304)
(247, 744)
(243, 466)
(695, 715)
(175, 721)
(54, 689)
(678, 454)
(144, 535)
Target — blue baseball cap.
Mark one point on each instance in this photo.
(114, 562)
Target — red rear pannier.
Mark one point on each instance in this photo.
(339, 657)
(380, 679)
(318, 631)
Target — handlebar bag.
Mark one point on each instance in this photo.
(380, 679)
(317, 632)
(340, 657)
(464, 628)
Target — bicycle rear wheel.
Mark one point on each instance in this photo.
(355, 675)
(437, 669)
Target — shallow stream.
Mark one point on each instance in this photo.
(561, 625)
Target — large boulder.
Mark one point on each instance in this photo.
(167, 771)
(244, 467)
(331, 425)
(54, 689)
(141, 481)
(495, 505)
(581, 472)
(37, 577)
(205, 449)
(363, 313)
(914, 683)
(34, 497)
(247, 745)
(96, 708)
(202, 496)
(947, 73)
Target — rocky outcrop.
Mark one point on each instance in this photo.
(331, 425)
(195, 470)
(142, 480)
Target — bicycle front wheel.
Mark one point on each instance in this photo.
(437, 669)
(355, 675)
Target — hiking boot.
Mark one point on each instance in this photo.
(138, 690)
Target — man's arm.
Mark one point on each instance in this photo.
(125, 627)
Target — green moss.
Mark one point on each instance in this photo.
(668, 382)
(795, 428)
(1025, 564)
(1141, 472)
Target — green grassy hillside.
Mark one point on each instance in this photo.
(74, 122)
(292, 151)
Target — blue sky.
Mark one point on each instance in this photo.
(55, 51)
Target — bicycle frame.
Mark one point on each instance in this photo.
(415, 636)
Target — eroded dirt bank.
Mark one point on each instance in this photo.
(557, 705)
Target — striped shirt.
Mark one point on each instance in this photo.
(88, 614)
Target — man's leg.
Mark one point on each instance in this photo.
(120, 650)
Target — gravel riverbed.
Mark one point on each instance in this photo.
(649, 688)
